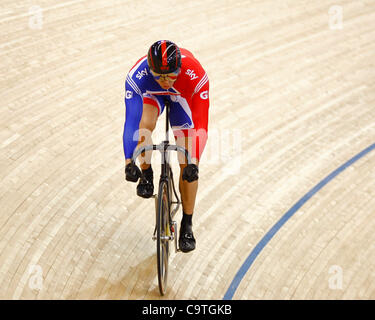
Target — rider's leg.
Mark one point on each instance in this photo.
(146, 127)
(194, 141)
(188, 192)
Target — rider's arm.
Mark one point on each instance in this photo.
(133, 106)
(200, 106)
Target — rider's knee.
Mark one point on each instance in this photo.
(147, 125)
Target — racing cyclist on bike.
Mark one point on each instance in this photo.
(172, 73)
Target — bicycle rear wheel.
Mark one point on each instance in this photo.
(163, 236)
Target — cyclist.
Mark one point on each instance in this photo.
(172, 73)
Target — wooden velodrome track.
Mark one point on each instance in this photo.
(292, 100)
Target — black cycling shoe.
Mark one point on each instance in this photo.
(186, 241)
(145, 187)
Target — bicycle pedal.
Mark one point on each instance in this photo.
(174, 226)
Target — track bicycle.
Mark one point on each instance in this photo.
(167, 203)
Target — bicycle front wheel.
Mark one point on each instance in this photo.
(163, 236)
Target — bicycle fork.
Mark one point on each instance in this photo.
(172, 227)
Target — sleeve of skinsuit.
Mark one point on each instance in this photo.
(134, 109)
(199, 109)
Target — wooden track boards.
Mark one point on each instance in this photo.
(292, 96)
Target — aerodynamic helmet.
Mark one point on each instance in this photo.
(164, 56)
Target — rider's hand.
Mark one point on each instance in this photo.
(132, 172)
(190, 173)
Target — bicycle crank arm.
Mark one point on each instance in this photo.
(175, 238)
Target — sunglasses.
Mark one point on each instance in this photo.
(171, 76)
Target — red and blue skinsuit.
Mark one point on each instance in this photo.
(189, 101)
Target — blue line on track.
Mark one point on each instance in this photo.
(263, 242)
